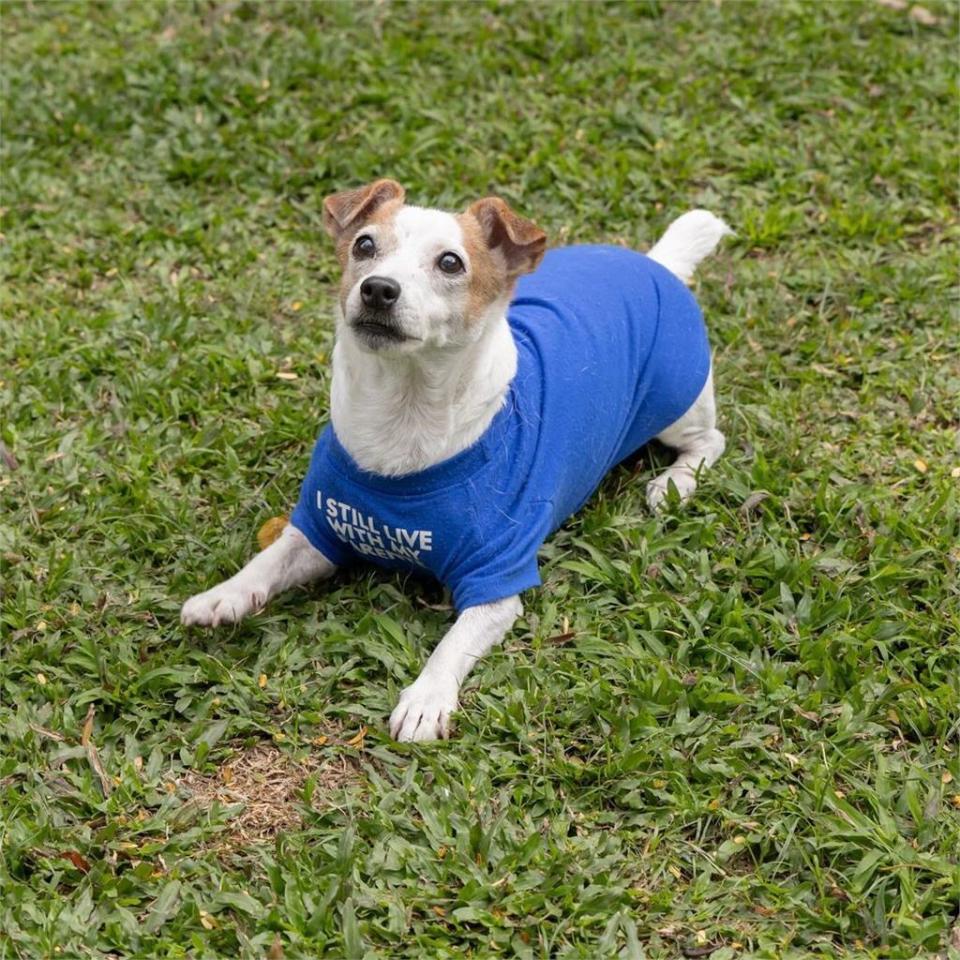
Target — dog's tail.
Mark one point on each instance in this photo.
(688, 240)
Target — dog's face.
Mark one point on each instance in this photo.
(414, 278)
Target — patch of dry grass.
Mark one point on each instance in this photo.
(269, 785)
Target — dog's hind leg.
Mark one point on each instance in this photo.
(698, 443)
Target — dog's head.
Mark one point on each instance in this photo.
(415, 278)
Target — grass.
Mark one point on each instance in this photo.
(730, 731)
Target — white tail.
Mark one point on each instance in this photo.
(688, 240)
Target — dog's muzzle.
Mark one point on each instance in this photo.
(376, 323)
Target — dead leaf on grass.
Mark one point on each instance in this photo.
(80, 862)
(749, 506)
(923, 16)
(44, 732)
(87, 727)
(271, 531)
(357, 739)
(918, 13)
(93, 755)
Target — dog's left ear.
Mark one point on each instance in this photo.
(351, 208)
(521, 241)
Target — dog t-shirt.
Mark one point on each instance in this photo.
(611, 350)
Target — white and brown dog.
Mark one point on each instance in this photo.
(480, 392)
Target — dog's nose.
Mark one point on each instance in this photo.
(379, 293)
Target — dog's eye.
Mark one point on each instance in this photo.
(450, 263)
(364, 248)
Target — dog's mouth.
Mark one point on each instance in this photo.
(376, 331)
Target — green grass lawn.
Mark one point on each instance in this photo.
(728, 731)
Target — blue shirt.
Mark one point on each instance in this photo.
(611, 350)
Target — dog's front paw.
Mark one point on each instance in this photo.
(658, 489)
(423, 712)
(226, 603)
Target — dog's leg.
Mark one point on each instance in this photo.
(287, 562)
(698, 444)
(423, 712)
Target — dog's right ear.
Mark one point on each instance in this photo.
(351, 208)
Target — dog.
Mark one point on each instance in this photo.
(482, 387)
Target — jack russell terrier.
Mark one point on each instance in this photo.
(474, 409)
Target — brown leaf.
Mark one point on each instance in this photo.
(82, 864)
(276, 948)
(86, 740)
(87, 727)
(94, 757)
(271, 531)
(357, 740)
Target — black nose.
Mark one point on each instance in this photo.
(379, 293)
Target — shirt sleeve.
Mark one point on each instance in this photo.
(504, 564)
(474, 590)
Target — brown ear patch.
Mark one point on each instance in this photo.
(521, 242)
(488, 274)
(348, 210)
